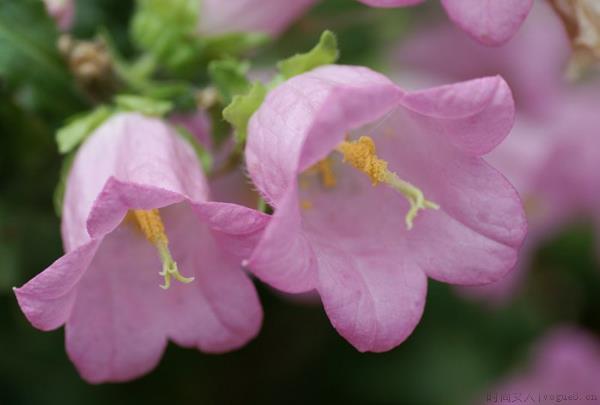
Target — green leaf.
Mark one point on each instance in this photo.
(242, 107)
(229, 76)
(167, 30)
(59, 191)
(80, 127)
(233, 44)
(324, 53)
(144, 105)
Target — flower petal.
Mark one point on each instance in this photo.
(374, 301)
(268, 16)
(475, 115)
(47, 299)
(219, 310)
(131, 161)
(116, 331)
(302, 120)
(490, 22)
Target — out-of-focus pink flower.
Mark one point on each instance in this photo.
(333, 230)
(564, 368)
(62, 11)
(268, 16)
(552, 155)
(443, 53)
(492, 23)
(136, 205)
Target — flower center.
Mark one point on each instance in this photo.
(151, 225)
(362, 155)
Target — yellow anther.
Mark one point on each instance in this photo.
(362, 154)
(151, 225)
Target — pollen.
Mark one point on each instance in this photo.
(362, 155)
(151, 225)
(324, 170)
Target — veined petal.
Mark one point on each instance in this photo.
(490, 22)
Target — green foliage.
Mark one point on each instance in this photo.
(80, 127)
(242, 107)
(166, 30)
(29, 60)
(229, 76)
(324, 53)
(144, 105)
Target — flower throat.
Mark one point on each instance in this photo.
(362, 155)
(151, 225)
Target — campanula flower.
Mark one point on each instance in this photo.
(556, 122)
(148, 259)
(375, 189)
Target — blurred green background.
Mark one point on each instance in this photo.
(459, 349)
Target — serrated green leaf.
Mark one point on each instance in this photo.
(242, 107)
(324, 53)
(144, 105)
(80, 127)
(229, 76)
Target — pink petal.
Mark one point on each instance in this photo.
(116, 330)
(390, 3)
(121, 319)
(475, 115)
(47, 299)
(536, 82)
(268, 16)
(374, 301)
(302, 121)
(219, 311)
(284, 257)
(132, 161)
(491, 22)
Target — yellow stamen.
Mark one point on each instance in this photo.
(152, 227)
(362, 154)
(326, 172)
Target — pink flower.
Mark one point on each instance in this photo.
(333, 230)
(489, 22)
(62, 11)
(137, 197)
(565, 363)
(268, 16)
(555, 123)
(536, 81)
